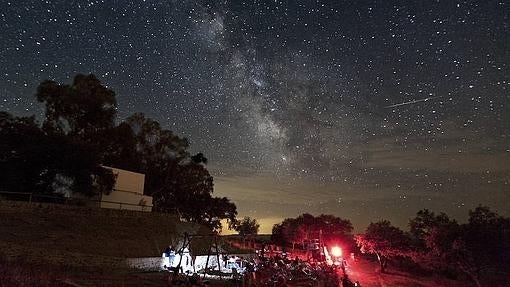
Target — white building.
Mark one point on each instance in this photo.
(127, 192)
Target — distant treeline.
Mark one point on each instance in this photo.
(478, 250)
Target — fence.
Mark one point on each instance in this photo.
(45, 198)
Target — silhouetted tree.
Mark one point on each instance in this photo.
(426, 226)
(79, 135)
(40, 162)
(288, 232)
(277, 235)
(385, 241)
(443, 244)
(247, 226)
(85, 109)
(78, 118)
(216, 209)
(121, 149)
(179, 183)
(333, 228)
(24, 155)
(484, 243)
(306, 226)
(151, 150)
(199, 158)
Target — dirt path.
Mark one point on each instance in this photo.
(367, 274)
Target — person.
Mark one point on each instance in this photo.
(225, 260)
(344, 265)
(166, 255)
(186, 264)
(232, 264)
(166, 252)
(171, 256)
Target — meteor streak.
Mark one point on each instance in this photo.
(412, 102)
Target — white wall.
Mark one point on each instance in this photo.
(128, 180)
(127, 192)
(146, 263)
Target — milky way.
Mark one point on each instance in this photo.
(305, 100)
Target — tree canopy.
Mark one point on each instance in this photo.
(385, 241)
(79, 135)
(82, 109)
(483, 243)
(307, 226)
(179, 182)
(247, 227)
(35, 160)
(440, 244)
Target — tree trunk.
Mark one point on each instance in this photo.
(477, 282)
(381, 262)
(472, 275)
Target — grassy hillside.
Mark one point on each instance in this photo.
(79, 236)
(58, 245)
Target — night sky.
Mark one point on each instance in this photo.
(367, 110)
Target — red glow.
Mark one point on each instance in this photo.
(336, 251)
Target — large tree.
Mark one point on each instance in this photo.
(142, 145)
(247, 227)
(426, 226)
(483, 245)
(385, 241)
(179, 182)
(288, 232)
(78, 136)
(84, 109)
(79, 117)
(24, 155)
(306, 226)
(443, 244)
(33, 160)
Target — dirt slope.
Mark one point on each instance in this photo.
(81, 236)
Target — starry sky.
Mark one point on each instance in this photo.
(367, 110)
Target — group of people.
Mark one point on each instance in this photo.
(277, 270)
(282, 271)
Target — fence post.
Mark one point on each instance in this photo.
(30, 198)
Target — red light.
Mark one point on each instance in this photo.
(336, 251)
